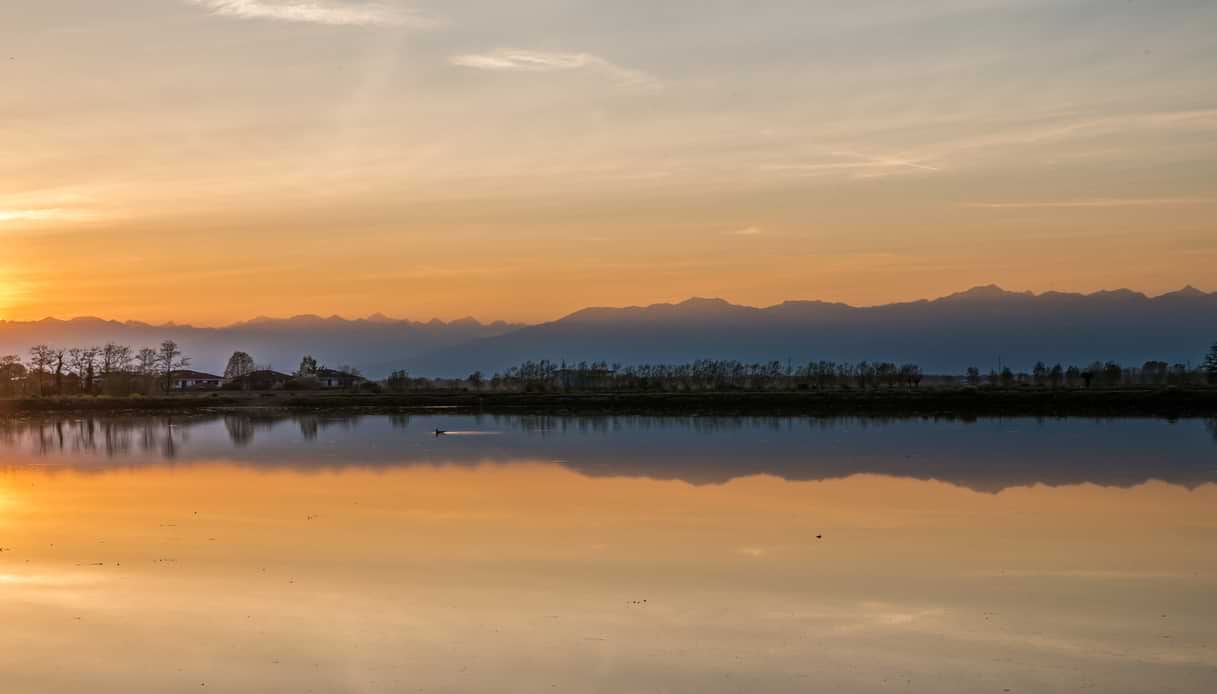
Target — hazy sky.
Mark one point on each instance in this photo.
(210, 160)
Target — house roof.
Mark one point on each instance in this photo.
(265, 373)
(195, 375)
(334, 373)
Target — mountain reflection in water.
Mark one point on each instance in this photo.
(984, 455)
(283, 555)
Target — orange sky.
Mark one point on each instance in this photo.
(209, 162)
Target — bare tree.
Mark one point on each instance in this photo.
(169, 358)
(90, 364)
(114, 365)
(115, 358)
(146, 361)
(58, 360)
(41, 357)
(240, 364)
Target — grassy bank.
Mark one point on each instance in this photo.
(958, 402)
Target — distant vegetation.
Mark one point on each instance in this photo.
(120, 370)
(710, 375)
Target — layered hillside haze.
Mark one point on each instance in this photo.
(273, 342)
(979, 327)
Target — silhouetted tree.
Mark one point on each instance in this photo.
(146, 361)
(973, 377)
(115, 362)
(1007, 377)
(83, 362)
(1209, 365)
(1056, 377)
(169, 358)
(59, 361)
(41, 357)
(308, 366)
(398, 381)
(1073, 377)
(910, 375)
(11, 371)
(1039, 374)
(240, 365)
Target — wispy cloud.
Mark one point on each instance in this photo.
(1095, 203)
(858, 165)
(42, 215)
(54, 205)
(535, 61)
(320, 12)
(1063, 127)
(746, 231)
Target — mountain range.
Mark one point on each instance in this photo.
(984, 327)
(276, 343)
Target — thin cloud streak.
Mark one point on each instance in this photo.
(536, 61)
(747, 231)
(863, 166)
(1096, 203)
(42, 215)
(319, 12)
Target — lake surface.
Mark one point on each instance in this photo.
(534, 554)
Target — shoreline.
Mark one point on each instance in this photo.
(954, 402)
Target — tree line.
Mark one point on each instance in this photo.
(111, 369)
(122, 370)
(709, 375)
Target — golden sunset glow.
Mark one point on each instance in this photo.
(187, 160)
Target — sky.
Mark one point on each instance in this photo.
(208, 161)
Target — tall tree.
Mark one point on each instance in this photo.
(82, 362)
(58, 360)
(90, 364)
(240, 364)
(973, 377)
(114, 358)
(77, 363)
(1209, 365)
(170, 358)
(41, 357)
(146, 361)
(308, 366)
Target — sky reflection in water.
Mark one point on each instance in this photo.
(607, 555)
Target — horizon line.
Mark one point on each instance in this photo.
(380, 317)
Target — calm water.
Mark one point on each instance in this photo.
(239, 554)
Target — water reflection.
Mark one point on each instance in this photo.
(986, 455)
(273, 554)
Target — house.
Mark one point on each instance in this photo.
(263, 379)
(194, 380)
(331, 378)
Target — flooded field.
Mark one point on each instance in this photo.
(531, 554)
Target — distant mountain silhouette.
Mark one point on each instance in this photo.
(973, 328)
(280, 343)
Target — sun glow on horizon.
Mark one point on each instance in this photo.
(349, 157)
